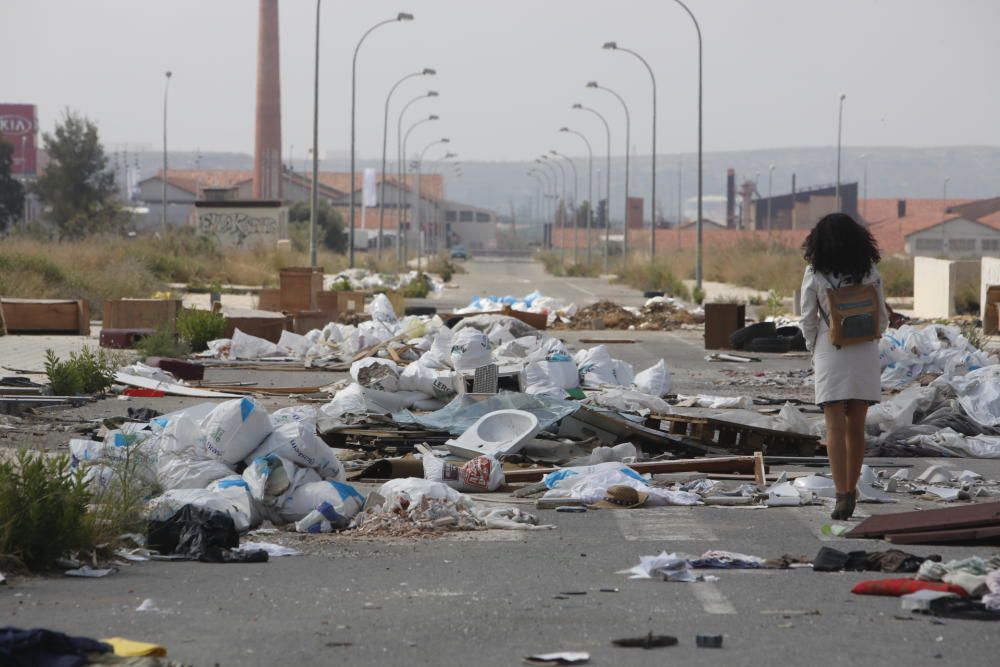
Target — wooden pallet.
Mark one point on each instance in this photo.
(732, 436)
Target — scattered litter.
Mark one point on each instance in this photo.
(647, 642)
(90, 572)
(708, 641)
(148, 605)
(563, 658)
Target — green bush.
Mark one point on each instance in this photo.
(698, 294)
(197, 327)
(162, 343)
(85, 372)
(416, 288)
(42, 510)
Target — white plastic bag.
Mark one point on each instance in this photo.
(376, 373)
(595, 367)
(298, 442)
(245, 346)
(655, 380)
(483, 473)
(408, 491)
(381, 309)
(181, 472)
(439, 384)
(163, 507)
(344, 499)
(537, 381)
(470, 350)
(294, 413)
(293, 345)
(234, 429)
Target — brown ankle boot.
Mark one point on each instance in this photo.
(840, 510)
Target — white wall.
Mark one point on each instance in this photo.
(936, 282)
(234, 226)
(990, 276)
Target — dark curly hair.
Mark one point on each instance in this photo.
(838, 245)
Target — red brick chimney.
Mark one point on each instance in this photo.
(267, 132)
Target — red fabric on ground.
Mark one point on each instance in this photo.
(898, 587)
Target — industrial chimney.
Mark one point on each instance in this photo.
(731, 198)
(267, 132)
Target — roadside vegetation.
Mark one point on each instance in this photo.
(769, 267)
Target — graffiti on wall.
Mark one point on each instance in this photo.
(234, 227)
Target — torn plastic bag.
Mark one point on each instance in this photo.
(269, 477)
(407, 491)
(342, 497)
(182, 472)
(165, 506)
(483, 473)
(590, 484)
(516, 327)
(376, 373)
(555, 362)
(629, 400)
(438, 357)
(237, 491)
(381, 310)
(622, 453)
(439, 384)
(298, 443)
(245, 346)
(200, 534)
(624, 373)
(655, 380)
(900, 410)
(293, 344)
(979, 393)
(138, 448)
(536, 380)
(595, 367)
(470, 349)
(717, 402)
(463, 411)
(234, 429)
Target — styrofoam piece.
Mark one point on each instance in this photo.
(821, 486)
(498, 433)
(935, 475)
(174, 388)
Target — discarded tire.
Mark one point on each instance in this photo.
(797, 342)
(741, 337)
(788, 332)
(649, 294)
(775, 344)
(420, 310)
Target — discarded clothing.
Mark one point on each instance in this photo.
(898, 587)
(892, 560)
(726, 560)
(970, 610)
(129, 648)
(199, 534)
(46, 648)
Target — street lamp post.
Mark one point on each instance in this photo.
(607, 185)
(163, 181)
(405, 139)
(576, 199)
(698, 225)
(864, 186)
(547, 197)
(560, 208)
(628, 134)
(400, 167)
(402, 16)
(652, 237)
(315, 150)
(419, 216)
(385, 141)
(770, 181)
(590, 186)
(840, 124)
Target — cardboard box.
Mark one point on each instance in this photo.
(269, 298)
(299, 286)
(721, 320)
(58, 316)
(141, 313)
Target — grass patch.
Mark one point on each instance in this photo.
(88, 371)
(197, 327)
(416, 288)
(897, 276)
(43, 508)
(162, 343)
(442, 265)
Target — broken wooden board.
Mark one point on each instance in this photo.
(733, 436)
(949, 518)
(172, 388)
(730, 464)
(977, 535)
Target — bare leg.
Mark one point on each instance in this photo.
(836, 444)
(856, 413)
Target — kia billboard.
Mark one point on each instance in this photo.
(17, 126)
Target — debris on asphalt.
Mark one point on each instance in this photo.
(647, 641)
(562, 658)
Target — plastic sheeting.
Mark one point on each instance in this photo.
(463, 411)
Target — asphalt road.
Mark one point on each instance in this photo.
(489, 598)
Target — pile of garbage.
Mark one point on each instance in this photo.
(535, 302)
(909, 353)
(657, 314)
(364, 280)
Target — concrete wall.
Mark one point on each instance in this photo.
(936, 283)
(990, 275)
(957, 239)
(237, 226)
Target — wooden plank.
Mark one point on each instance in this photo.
(966, 516)
(758, 468)
(734, 464)
(986, 534)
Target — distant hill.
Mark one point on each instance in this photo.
(892, 172)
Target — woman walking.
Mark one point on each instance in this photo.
(842, 254)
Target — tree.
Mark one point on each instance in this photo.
(329, 224)
(77, 188)
(11, 190)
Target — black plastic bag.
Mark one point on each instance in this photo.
(200, 534)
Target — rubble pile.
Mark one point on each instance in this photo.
(607, 315)
(657, 314)
(365, 280)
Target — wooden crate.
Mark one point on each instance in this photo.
(326, 302)
(61, 316)
(721, 320)
(269, 298)
(299, 286)
(350, 302)
(256, 323)
(141, 313)
(307, 320)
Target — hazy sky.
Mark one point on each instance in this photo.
(916, 72)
